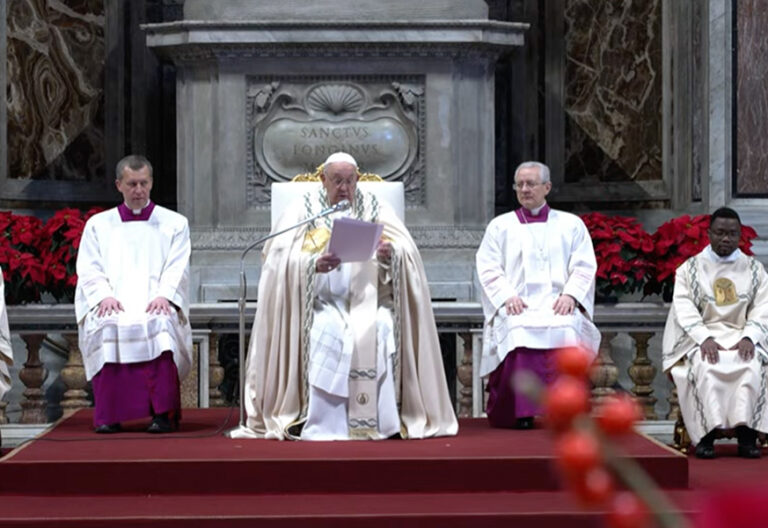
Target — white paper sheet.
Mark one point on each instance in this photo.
(354, 240)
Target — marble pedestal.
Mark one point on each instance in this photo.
(248, 92)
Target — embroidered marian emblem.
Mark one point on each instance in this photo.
(316, 239)
(725, 292)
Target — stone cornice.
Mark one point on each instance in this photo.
(201, 54)
(199, 40)
(362, 26)
(433, 237)
(31, 318)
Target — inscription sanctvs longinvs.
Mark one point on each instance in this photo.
(353, 133)
(347, 132)
(326, 150)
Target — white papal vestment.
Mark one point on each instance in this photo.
(537, 262)
(6, 353)
(331, 355)
(725, 298)
(134, 262)
(352, 353)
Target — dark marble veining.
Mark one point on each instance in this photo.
(751, 98)
(613, 90)
(55, 89)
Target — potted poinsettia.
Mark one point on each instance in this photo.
(23, 271)
(624, 252)
(59, 251)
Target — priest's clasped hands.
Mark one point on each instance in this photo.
(710, 347)
(329, 262)
(564, 305)
(110, 305)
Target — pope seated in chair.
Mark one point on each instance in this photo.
(344, 350)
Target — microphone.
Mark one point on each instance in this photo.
(343, 205)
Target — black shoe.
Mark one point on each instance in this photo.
(705, 451)
(749, 451)
(706, 446)
(747, 437)
(524, 423)
(108, 428)
(161, 423)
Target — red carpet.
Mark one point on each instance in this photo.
(197, 477)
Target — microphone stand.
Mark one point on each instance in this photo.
(241, 430)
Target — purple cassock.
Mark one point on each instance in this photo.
(505, 405)
(130, 391)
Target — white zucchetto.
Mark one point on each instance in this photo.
(337, 157)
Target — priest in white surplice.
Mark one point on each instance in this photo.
(537, 268)
(132, 306)
(716, 340)
(344, 350)
(6, 353)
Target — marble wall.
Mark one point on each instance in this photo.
(751, 134)
(613, 91)
(55, 101)
(585, 94)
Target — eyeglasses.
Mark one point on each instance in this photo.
(518, 186)
(340, 182)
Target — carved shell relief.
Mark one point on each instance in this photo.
(294, 123)
(335, 99)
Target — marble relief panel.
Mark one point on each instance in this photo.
(55, 54)
(751, 98)
(295, 122)
(613, 90)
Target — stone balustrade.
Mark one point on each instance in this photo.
(640, 322)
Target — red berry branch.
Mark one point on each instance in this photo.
(591, 465)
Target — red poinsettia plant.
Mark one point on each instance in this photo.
(62, 233)
(624, 252)
(39, 257)
(675, 241)
(23, 271)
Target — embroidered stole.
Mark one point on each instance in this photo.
(363, 382)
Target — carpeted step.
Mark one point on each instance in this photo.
(446, 510)
(199, 459)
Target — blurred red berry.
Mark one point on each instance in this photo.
(577, 452)
(574, 361)
(618, 414)
(565, 399)
(627, 511)
(593, 487)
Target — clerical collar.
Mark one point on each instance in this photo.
(714, 257)
(129, 215)
(538, 214)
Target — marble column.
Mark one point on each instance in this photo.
(642, 372)
(33, 376)
(73, 375)
(215, 373)
(464, 375)
(604, 373)
(3, 103)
